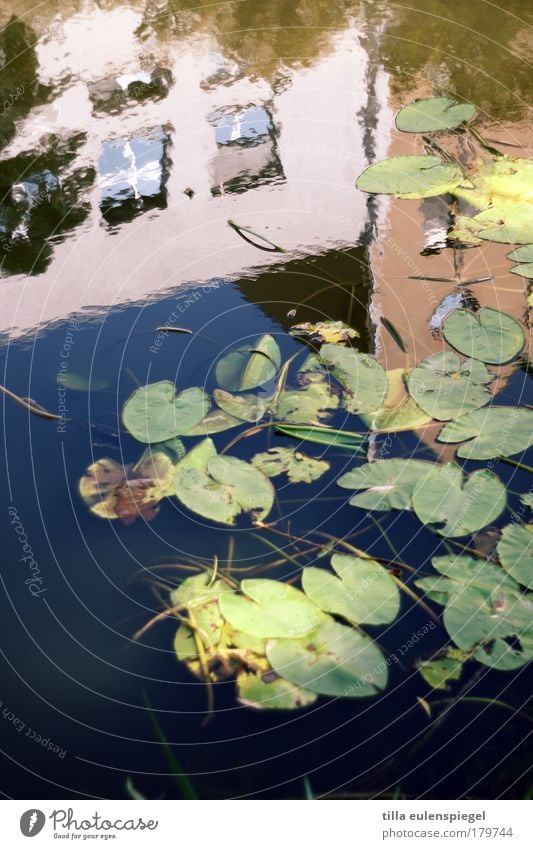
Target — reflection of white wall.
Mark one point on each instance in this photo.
(320, 145)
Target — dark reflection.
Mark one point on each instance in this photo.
(20, 88)
(43, 199)
(115, 93)
(133, 173)
(248, 153)
(458, 47)
(336, 285)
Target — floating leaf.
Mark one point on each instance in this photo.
(200, 598)
(311, 404)
(440, 671)
(410, 177)
(114, 491)
(250, 365)
(522, 254)
(389, 484)
(443, 497)
(336, 332)
(524, 270)
(322, 435)
(515, 551)
(334, 660)
(444, 387)
(268, 691)
(434, 114)
(363, 592)
(79, 383)
(486, 614)
(154, 413)
(363, 379)
(509, 223)
(271, 609)
(494, 432)
(298, 467)
(491, 336)
(399, 411)
(216, 421)
(221, 488)
(527, 499)
(248, 408)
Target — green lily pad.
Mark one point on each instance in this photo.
(439, 672)
(494, 432)
(154, 413)
(216, 421)
(515, 551)
(363, 592)
(434, 114)
(363, 379)
(486, 614)
(410, 177)
(460, 506)
(248, 408)
(499, 624)
(388, 484)
(399, 411)
(527, 499)
(491, 336)
(508, 223)
(522, 254)
(270, 609)
(298, 467)
(334, 660)
(309, 405)
(269, 692)
(525, 269)
(221, 488)
(444, 387)
(250, 365)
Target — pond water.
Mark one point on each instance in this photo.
(130, 134)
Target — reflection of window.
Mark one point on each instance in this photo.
(247, 149)
(133, 173)
(112, 94)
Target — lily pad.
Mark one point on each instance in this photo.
(434, 114)
(250, 365)
(334, 660)
(322, 435)
(515, 551)
(399, 411)
(527, 499)
(216, 421)
(458, 505)
(270, 609)
(511, 223)
(525, 269)
(444, 387)
(311, 404)
(363, 379)
(388, 484)
(221, 488)
(336, 332)
(363, 592)
(270, 692)
(410, 177)
(439, 672)
(523, 255)
(298, 467)
(248, 408)
(491, 336)
(154, 413)
(114, 491)
(494, 432)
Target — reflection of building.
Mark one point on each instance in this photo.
(115, 93)
(43, 200)
(247, 149)
(132, 175)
